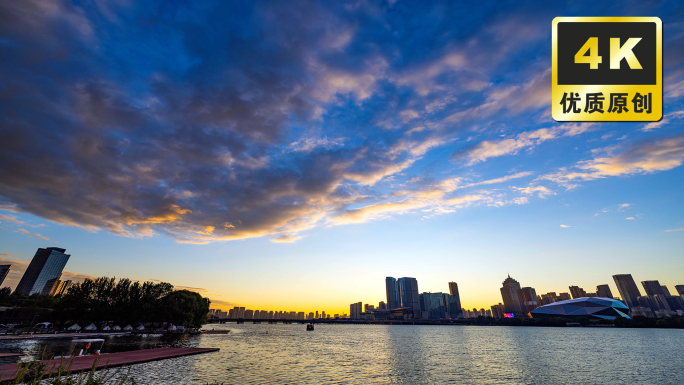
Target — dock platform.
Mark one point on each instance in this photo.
(110, 360)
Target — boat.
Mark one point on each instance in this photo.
(309, 327)
(85, 347)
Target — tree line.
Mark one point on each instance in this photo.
(116, 302)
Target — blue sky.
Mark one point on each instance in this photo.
(291, 157)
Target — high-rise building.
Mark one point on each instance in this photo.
(355, 310)
(666, 290)
(563, 297)
(680, 289)
(432, 305)
(498, 311)
(46, 265)
(408, 293)
(453, 301)
(50, 286)
(4, 270)
(512, 297)
(382, 305)
(530, 300)
(652, 287)
(392, 289)
(63, 287)
(603, 291)
(577, 292)
(627, 288)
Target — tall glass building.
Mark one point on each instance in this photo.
(511, 294)
(653, 287)
(45, 266)
(408, 294)
(627, 288)
(392, 289)
(432, 305)
(4, 270)
(603, 291)
(453, 301)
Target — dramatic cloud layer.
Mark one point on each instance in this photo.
(227, 120)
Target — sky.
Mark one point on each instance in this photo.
(291, 156)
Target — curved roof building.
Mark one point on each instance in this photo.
(588, 307)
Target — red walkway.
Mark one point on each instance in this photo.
(7, 372)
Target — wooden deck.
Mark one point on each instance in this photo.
(5, 355)
(80, 364)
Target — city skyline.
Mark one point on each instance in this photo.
(262, 154)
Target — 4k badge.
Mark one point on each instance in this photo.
(607, 69)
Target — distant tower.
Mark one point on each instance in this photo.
(652, 287)
(408, 293)
(4, 270)
(680, 289)
(392, 289)
(46, 265)
(604, 291)
(512, 297)
(627, 288)
(666, 291)
(454, 301)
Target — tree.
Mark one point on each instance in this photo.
(184, 307)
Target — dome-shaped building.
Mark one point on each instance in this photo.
(587, 307)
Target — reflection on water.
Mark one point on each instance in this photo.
(378, 354)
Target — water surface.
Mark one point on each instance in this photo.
(394, 354)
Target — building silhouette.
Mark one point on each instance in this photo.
(408, 293)
(627, 288)
(652, 287)
(4, 270)
(355, 310)
(666, 291)
(392, 289)
(603, 291)
(577, 292)
(432, 306)
(453, 301)
(680, 289)
(512, 297)
(45, 266)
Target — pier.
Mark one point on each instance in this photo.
(111, 360)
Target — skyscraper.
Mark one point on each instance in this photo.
(46, 265)
(627, 288)
(604, 291)
(432, 304)
(453, 301)
(4, 270)
(680, 289)
(392, 289)
(408, 293)
(666, 291)
(512, 297)
(652, 287)
(577, 292)
(529, 296)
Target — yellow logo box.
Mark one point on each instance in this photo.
(607, 69)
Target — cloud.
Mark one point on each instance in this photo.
(286, 238)
(214, 123)
(223, 305)
(640, 158)
(673, 230)
(489, 149)
(7, 255)
(623, 206)
(11, 219)
(541, 191)
(33, 235)
(564, 226)
(665, 120)
(630, 218)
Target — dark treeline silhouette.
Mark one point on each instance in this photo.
(106, 300)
